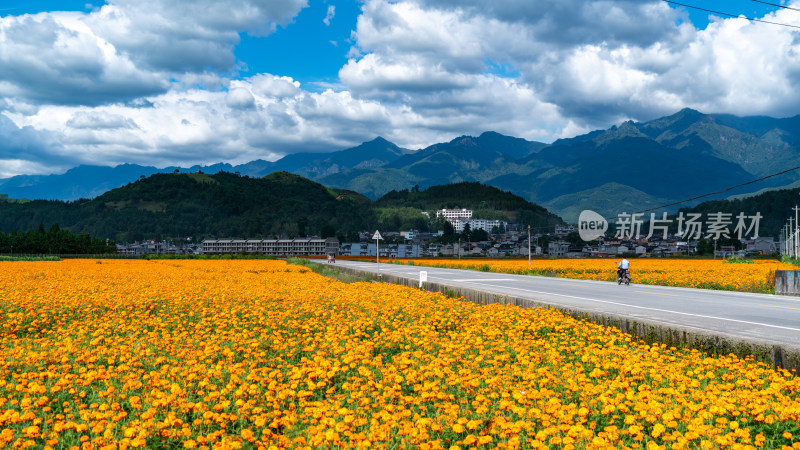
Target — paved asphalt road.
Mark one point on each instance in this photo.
(761, 317)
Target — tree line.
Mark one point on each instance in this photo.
(54, 241)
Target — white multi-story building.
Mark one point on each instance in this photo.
(461, 217)
(565, 229)
(454, 215)
(408, 235)
(479, 224)
(272, 247)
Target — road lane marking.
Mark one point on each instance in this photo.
(476, 280)
(784, 307)
(627, 305)
(656, 293)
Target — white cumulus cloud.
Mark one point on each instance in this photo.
(329, 15)
(595, 62)
(154, 82)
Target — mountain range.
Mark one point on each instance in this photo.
(628, 167)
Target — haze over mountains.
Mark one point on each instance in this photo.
(628, 167)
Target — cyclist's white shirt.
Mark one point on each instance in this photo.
(624, 264)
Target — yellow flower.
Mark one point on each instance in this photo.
(658, 429)
(134, 351)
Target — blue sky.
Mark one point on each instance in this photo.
(308, 50)
(168, 82)
(748, 8)
(32, 7)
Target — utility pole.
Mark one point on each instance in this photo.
(786, 234)
(459, 249)
(784, 239)
(780, 242)
(529, 245)
(791, 239)
(796, 241)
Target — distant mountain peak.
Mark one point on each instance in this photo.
(668, 126)
(492, 137)
(465, 140)
(688, 111)
(624, 130)
(379, 140)
(685, 115)
(494, 134)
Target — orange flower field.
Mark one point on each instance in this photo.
(758, 276)
(261, 354)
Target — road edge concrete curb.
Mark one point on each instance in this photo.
(779, 356)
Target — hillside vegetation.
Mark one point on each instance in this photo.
(197, 205)
(487, 202)
(775, 208)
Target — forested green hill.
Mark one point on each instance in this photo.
(775, 208)
(197, 205)
(487, 202)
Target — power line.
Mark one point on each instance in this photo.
(714, 193)
(775, 4)
(732, 15)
